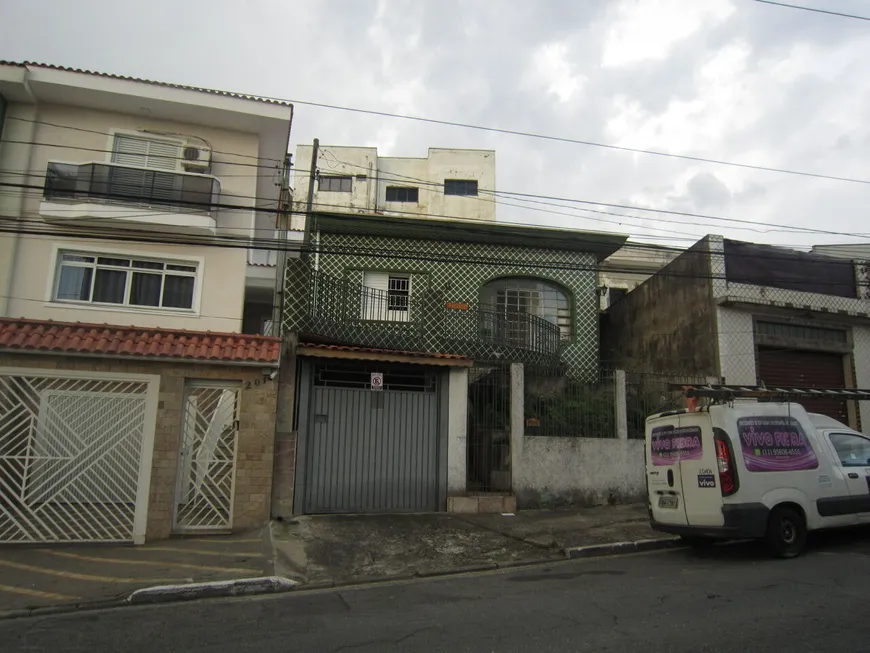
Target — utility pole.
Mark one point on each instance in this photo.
(309, 205)
(284, 461)
(285, 202)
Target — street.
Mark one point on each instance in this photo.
(729, 598)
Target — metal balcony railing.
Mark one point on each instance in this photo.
(421, 321)
(115, 183)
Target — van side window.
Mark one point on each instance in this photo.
(852, 450)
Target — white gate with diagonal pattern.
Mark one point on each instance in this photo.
(75, 455)
(207, 461)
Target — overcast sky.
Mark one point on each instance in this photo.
(734, 80)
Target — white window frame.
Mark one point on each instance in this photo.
(172, 259)
(377, 313)
(114, 133)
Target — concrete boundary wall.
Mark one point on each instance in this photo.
(555, 472)
(561, 471)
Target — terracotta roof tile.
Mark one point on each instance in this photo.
(109, 340)
(23, 64)
(373, 350)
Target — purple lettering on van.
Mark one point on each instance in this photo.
(775, 444)
(669, 444)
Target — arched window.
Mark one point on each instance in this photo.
(524, 295)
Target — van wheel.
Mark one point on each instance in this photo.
(786, 535)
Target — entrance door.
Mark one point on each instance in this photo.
(367, 449)
(207, 460)
(489, 436)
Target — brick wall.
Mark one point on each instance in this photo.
(256, 430)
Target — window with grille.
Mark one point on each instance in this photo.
(403, 194)
(89, 278)
(517, 296)
(335, 184)
(460, 187)
(386, 296)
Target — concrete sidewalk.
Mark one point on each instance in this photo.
(313, 551)
(325, 550)
(37, 576)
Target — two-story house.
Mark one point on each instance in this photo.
(752, 314)
(410, 309)
(132, 404)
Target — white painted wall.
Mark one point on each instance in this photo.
(736, 346)
(30, 266)
(579, 471)
(457, 426)
(373, 174)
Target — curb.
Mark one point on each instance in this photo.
(214, 589)
(278, 584)
(621, 548)
(48, 610)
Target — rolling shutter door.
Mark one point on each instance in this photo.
(805, 369)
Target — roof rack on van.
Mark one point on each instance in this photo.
(715, 391)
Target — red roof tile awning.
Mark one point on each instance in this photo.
(385, 355)
(76, 338)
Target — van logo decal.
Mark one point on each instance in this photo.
(775, 444)
(669, 444)
(706, 478)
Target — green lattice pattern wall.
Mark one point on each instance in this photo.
(461, 282)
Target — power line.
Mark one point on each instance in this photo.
(562, 139)
(105, 151)
(818, 11)
(455, 228)
(519, 195)
(575, 141)
(144, 236)
(153, 133)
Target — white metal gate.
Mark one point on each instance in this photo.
(75, 456)
(207, 462)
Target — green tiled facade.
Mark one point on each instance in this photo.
(349, 256)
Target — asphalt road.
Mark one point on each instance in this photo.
(731, 598)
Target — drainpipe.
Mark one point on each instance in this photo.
(19, 210)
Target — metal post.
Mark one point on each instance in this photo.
(620, 405)
(517, 420)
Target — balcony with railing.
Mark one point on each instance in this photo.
(341, 311)
(127, 196)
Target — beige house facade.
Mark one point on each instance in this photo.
(134, 369)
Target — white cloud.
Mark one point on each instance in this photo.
(649, 29)
(721, 79)
(552, 67)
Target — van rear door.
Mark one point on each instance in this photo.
(699, 473)
(664, 478)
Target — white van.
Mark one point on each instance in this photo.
(755, 470)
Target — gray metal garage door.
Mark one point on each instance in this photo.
(368, 450)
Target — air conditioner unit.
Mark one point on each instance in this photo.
(195, 158)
